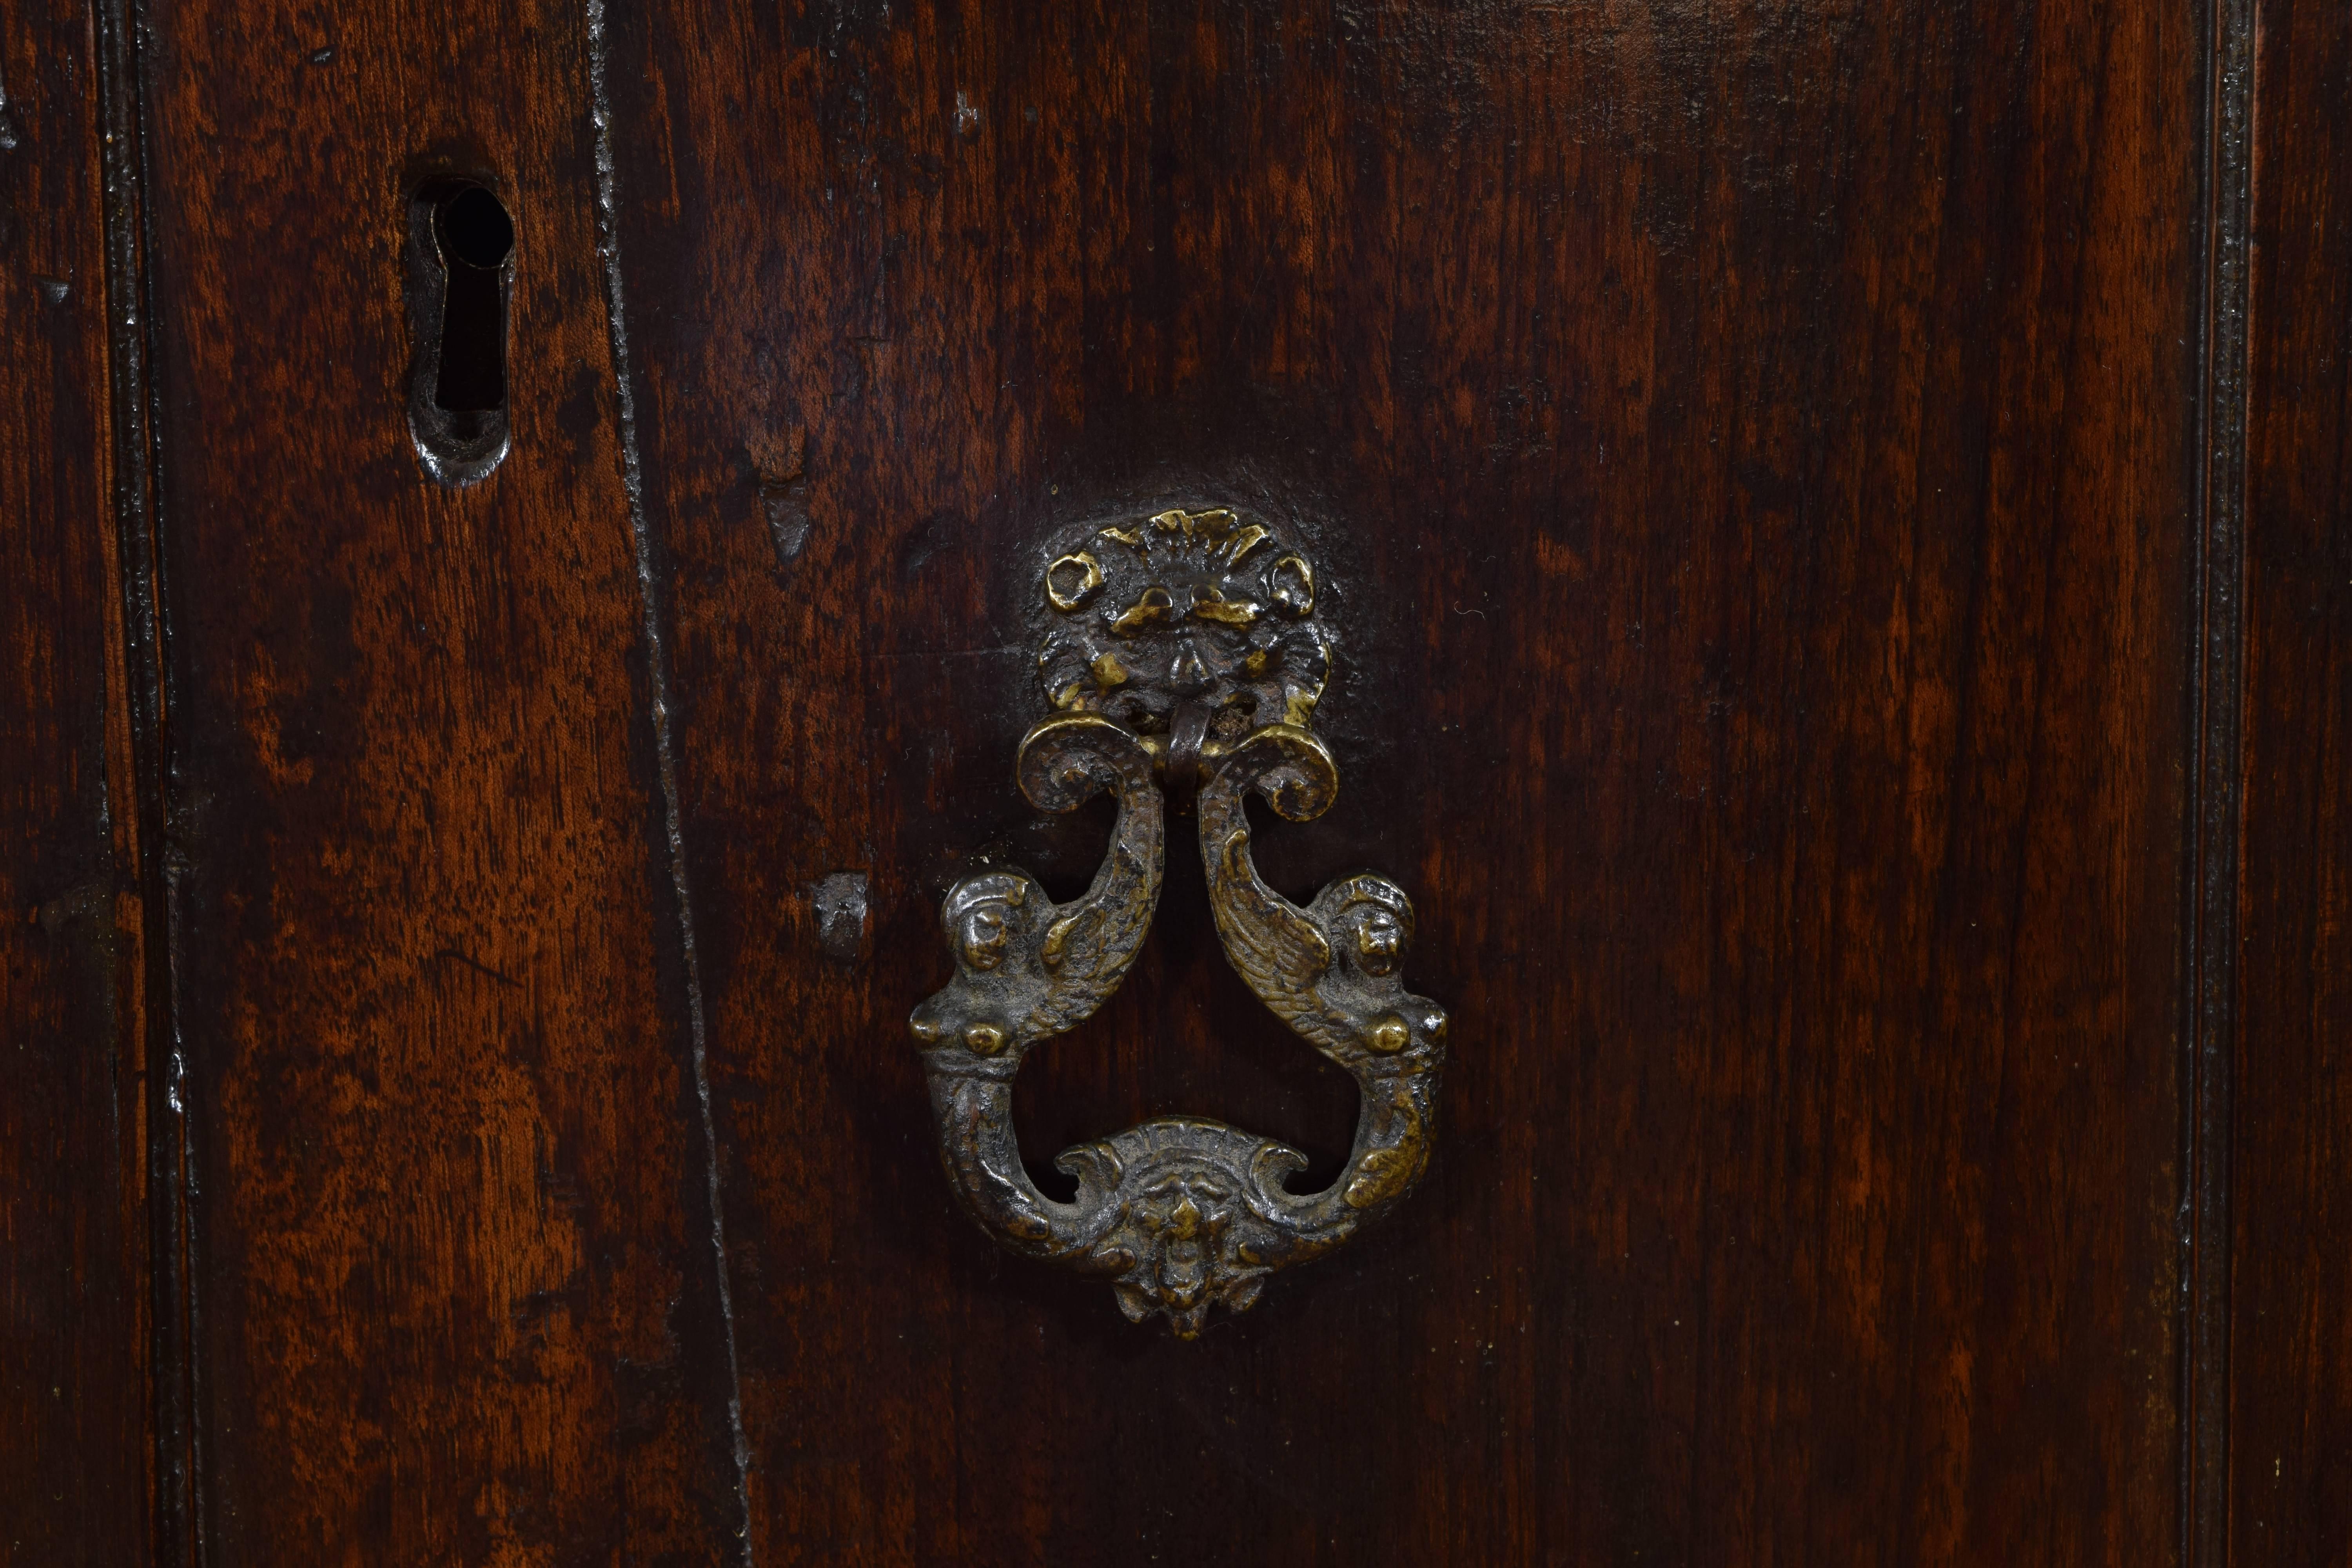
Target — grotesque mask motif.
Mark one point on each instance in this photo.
(1188, 607)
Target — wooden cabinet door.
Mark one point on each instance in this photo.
(1823, 531)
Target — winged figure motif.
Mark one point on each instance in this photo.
(1027, 968)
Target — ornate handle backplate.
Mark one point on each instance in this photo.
(1185, 657)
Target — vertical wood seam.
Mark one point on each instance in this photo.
(2215, 814)
(665, 742)
(177, 1478)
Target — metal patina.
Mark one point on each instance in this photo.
(1185, 662)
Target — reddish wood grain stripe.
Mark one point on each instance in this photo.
(454, 1282)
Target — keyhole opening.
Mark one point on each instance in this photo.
(461, 262)
(476, 237)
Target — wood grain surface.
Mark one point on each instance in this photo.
(2291, 1328)
(74, 1396)
(1772, 471)
(1754, 453)
(455, 1274)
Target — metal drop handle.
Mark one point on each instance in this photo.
(1188, 633)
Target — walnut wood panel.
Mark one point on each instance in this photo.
(1755, 447)
(2290, 1353)
(74, 1437)
(455, 1281)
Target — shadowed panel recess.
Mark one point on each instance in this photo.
(74, 1433)
(2291, 1284)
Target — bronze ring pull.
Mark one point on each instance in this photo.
(1182, 1212)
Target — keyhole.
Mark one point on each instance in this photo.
(461, 262)
(476, 237)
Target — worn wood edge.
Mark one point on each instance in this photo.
(653, 626)
(138, 700)
(2216, 819)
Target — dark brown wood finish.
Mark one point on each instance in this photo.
(1754, 451)
(1779, 474)
(2290, 1363)
(74, 1437)
(456, 1278)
